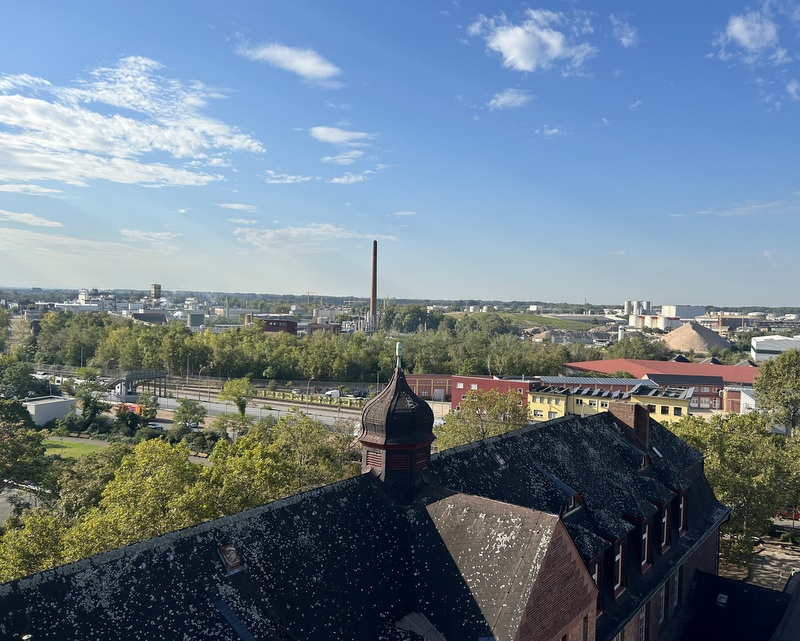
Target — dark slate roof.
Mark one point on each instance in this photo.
(720, 609)
(600, 460)
(340, 562)
(397, 416)
(592, 455)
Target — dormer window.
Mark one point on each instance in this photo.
(573, 503)
(645, 546)
(619, 568)
(683, 516)
(664, 528)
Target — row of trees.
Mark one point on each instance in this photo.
(474, 344)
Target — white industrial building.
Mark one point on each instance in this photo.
(763, 348)
(47, 408)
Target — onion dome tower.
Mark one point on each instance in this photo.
(397, 432)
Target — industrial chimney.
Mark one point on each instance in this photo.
(373, 298)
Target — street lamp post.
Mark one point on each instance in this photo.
(308, 392)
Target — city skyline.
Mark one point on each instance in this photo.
(551, 152)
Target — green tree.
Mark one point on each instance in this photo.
(21, 448)
(746, 467)
(190, 413)
(145, 498)
(481, 414)
(638, 347)
(90, 394)
(777, 388)
(238, 391)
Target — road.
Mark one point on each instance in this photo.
(258, 408)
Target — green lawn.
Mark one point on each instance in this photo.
(70, 449)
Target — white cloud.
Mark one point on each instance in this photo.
(793, 89)
(625, 33)
(312, 234)
(402, 214)
(238, 206)
(337, 136)
(510, 99)
(31, 190)
(753, 208)
(635, 105)
(27, 219)
(306, 63)
(273, 178)
(346, 158)
(243, 221)
(753, 39)
(550, 132)
(535, 42)
(139, 236)
(67, 133)
(617, 252)
(752, 31)
(347, 179)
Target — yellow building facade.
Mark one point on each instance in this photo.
(547, 402)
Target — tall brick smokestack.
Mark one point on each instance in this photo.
(373, 298)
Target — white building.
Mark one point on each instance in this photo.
(684, 312)
(47, 408)
(763, 348)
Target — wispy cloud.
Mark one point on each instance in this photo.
(551, 132)
(69, 134)
(625, 33)
(793, 89)
(314, 234)
(306, 63)
(31, 190)
(347, 179)
(753, 208)
(238, 206)
(140, 236)
(27, 219)
(274, 178)
(617, 252)
(337, 136)
(345, 158)
(402, 214)
(635, 105)
(542, 40)
(243, 221)
(510, 99)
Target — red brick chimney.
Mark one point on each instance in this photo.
(635, 417)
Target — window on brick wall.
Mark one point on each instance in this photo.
(676, 588)
(662, 597)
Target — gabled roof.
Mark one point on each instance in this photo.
(741, 375)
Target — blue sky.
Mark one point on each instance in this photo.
(557, 151)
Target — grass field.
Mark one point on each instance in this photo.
(69, 448)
